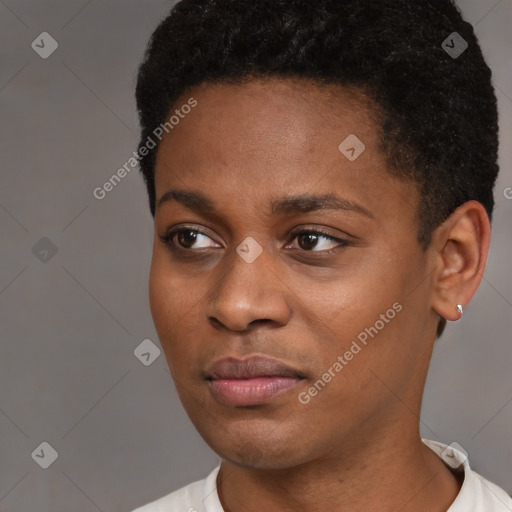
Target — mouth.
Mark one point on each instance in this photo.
(251, 381)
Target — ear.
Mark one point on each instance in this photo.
(460, 248)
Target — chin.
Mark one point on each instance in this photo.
(256, 447)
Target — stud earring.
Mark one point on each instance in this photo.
(459, 309)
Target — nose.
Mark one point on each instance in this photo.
(248, 294)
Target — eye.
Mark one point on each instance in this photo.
(185, 238)
(309, 239)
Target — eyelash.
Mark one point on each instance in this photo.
(168, 239)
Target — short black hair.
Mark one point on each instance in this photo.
(438, 111)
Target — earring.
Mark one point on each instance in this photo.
(459, 309)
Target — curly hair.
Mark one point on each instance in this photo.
(437, 111)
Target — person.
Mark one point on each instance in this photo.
(321, 178)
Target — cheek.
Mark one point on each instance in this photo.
(364, 315)
(171, 297)
(159, 293)
(354, 300)
(175, 302)
(378, 342)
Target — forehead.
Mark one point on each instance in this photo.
(267, 118)
(270, 136)
(269, 100)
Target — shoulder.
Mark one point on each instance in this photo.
(477, 493)
(486, 496)
(193, 497)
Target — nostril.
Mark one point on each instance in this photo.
(264, 320)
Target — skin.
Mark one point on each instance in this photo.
(356, 445)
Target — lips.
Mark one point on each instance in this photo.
(251, 381)
(252, 367)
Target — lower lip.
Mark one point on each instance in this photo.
(251, 391)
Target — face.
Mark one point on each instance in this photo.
(287, 286)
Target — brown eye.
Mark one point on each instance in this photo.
(186, 238)
(307, 241)
(317, 241)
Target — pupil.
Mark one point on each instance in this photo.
(311, 238)
(187, 237)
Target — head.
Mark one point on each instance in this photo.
(339, 137)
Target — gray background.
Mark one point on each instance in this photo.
(69, 326)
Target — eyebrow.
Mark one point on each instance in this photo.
(304, 203)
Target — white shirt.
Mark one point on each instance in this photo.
(476, 495)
